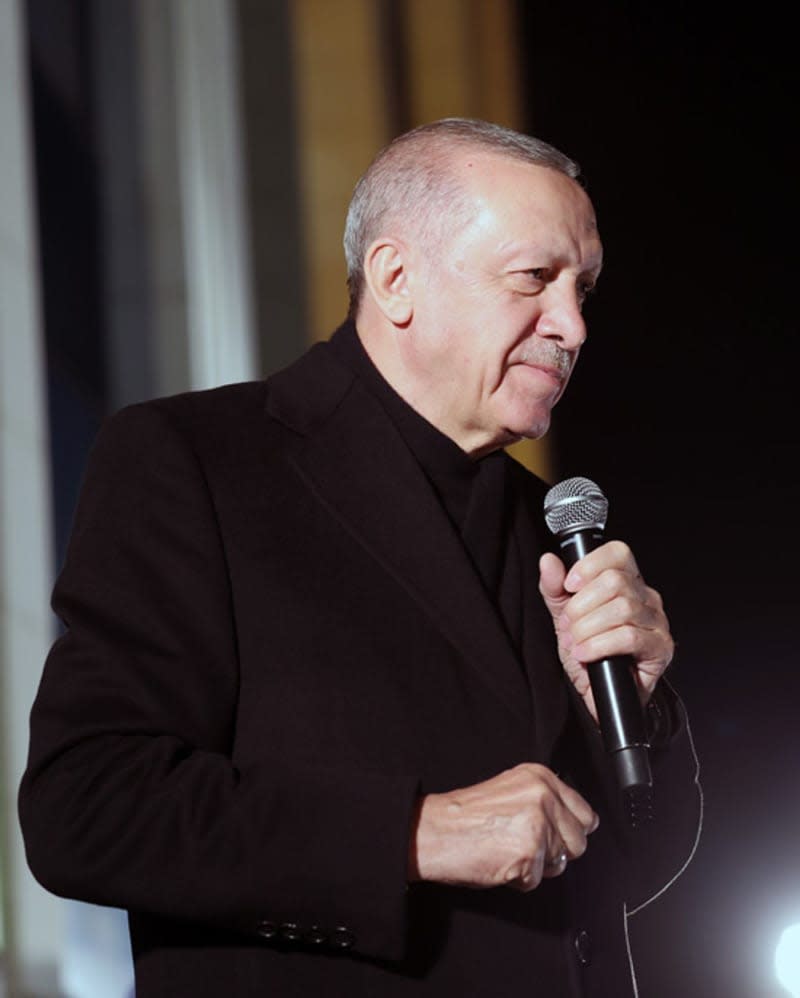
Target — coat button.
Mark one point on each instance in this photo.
(342, 938)
(267, 930)
(291, 932)
(583, 947)
(315, 936)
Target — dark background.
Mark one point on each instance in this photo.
(681, 409)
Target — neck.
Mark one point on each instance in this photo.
(388, 349)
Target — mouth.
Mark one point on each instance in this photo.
(554, 373)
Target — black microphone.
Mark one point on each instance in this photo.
(575, 511)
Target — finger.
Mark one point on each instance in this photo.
(613, 555)
(644, 646)
(551, 577)
(565, 819)
(609, 585)
(572, 821)
(556, 864)
(575, 807)
(532, 872)
(569, 842)
(618, 612)
(571, 838)
(538, 870)
(545, 865)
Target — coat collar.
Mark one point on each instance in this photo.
(350, 455)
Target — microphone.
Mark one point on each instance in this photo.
(575, 510)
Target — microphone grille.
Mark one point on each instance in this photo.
(575, 504)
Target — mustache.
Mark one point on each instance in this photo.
(548, 354)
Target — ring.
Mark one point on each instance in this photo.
(557, 861)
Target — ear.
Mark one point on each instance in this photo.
(386, 276)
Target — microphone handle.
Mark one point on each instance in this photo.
(619, 710)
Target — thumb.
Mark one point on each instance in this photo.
(551, 584)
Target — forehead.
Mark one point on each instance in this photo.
(517, 203)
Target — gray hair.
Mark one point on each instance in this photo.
(412, 178)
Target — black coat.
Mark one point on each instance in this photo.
(274, 643)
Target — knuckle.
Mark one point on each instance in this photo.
(538, 793)
(528, 882)
(534, 774)
(580, 847)
(515, 872)
(616, 581)
(653, 597)
(621, 551)
(631, 637)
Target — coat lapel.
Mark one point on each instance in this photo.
(352, 457)
(543, 667)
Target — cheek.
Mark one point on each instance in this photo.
(511, 342)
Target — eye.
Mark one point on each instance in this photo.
(531, 280)
(584, 289)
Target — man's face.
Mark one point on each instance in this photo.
(497, 322)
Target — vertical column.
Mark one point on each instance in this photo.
(162, 203)
(341, 124)
(216, 246)
(127, 326)
(146, 328)
(178, 295)
(32, 919)
(273, 181)
(463, 60)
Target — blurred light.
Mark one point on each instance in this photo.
(787, 960)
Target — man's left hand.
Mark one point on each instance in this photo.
(602, 608)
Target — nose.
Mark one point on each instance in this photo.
(562, 319)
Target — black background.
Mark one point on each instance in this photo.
(682, 410)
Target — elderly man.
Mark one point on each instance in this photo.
(320, 717)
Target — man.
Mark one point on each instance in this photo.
(320, 719)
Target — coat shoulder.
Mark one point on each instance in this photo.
(220, 408)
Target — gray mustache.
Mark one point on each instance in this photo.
(550, 355)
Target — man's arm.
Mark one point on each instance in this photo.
(132, 797)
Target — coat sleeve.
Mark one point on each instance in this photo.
(132, 797)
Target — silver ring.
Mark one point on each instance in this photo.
(558, 861)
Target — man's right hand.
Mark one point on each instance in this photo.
(514, 829)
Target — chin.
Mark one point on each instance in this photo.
(525, 417)
(531, 428)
